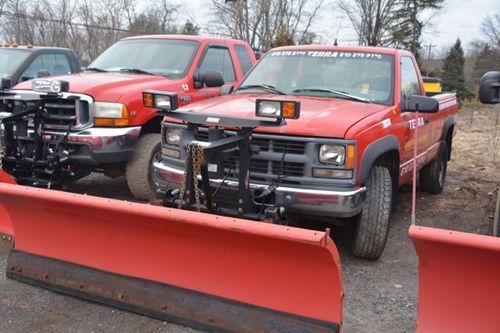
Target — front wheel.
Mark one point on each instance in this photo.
(373, 222)
(139, 172)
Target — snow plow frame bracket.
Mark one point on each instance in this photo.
(35, 167)
(215, 152)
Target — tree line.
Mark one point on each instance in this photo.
(86, 26)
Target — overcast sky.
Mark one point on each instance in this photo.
(459, 18)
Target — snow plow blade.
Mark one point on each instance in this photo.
(200, 270)
(6, 230)
(459, 284)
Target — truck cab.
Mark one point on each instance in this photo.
(349, 150)
(23, 63)
(101, 115)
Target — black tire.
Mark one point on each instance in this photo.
(373, 222)
(433, 175)
(139, 171)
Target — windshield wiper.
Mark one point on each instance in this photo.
(136, 71)
(95, 69)
(336, 92)
(265, 87)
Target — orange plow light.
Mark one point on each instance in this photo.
(458, 281)
(196, 269)
(6, 230)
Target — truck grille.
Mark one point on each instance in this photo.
(277, 166)
(63, 114)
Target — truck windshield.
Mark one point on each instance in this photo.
(167, 57)
(361, 76)
(10, 60)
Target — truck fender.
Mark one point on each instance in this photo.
(373, 151)
(448, 123)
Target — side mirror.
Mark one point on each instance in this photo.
(421, 104)
(210, 79)
(226, 89)
(489, 88)
(43, 73)
(5, 84)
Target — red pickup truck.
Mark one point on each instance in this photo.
(100, 118)
(346, 154)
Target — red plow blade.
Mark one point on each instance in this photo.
(6, 230)
(459, 281)
(200, 270)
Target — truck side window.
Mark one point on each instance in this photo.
(409, 79)
(55, 64)
(219, 60)
(244, 58)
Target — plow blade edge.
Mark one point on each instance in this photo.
(459, 281)
(200, 270)
(6, 230)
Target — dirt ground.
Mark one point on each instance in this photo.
(380, 296)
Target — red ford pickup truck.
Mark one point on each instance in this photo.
(346, 154)
(99, 122)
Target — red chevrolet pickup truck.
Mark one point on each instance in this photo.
(349, 150)
(101, 119)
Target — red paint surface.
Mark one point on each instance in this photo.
(276, 267)
(5, 223)
(459, 284)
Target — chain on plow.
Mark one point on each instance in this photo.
(194, 153)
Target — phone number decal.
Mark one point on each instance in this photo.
(327, 54)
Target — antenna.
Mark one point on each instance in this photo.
(335, 43)
(415, 154)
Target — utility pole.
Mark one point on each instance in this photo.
(429, 47)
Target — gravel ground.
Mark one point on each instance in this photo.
(380, 296)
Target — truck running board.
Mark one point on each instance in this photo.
(205, 271)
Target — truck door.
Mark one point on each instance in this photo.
(215, 58)
(410, 85)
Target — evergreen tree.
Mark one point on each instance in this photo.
(408, 30)
(453, 71)
(190, 29)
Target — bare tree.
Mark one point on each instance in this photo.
(491, 28)
(262, 22)
(371, 19)
(86, 26)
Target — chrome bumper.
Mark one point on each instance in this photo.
(103, 140)
(97, 145)
(324, 203)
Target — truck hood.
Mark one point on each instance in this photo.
(320, 117)
(108, 87)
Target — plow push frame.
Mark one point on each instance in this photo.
(206, 159)
(33, 154)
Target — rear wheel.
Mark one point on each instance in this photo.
(140, 172)
(433, 175)
(372, 226)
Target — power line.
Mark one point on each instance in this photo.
(63, 22)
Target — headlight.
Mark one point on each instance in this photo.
(173, 136)
(49, 86)
(277, 108)
(109, 110)
(269, 108)
(110, 114)
(160, 100)
(332, 154)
